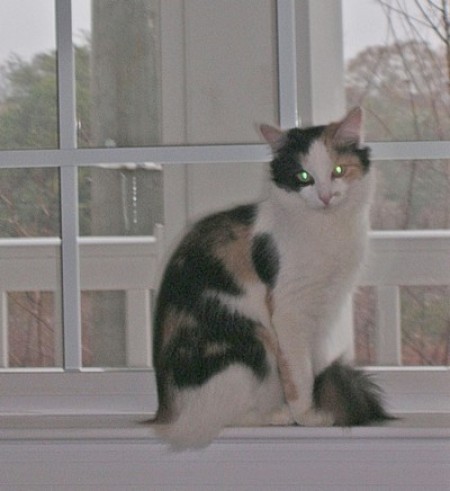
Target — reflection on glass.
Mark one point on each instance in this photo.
(28, 95)
(400, 73)
(425, 325)
(151, 73)
(412, 195)
(120, 200)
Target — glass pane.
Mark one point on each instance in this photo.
(29, 203)
(103, 329)
(115, 200)
(119, 209)
(364, 317)
(397, 56)
(425, 325)
(32, 338)
(201, 73)
(412, 195)
(30, 271)
(28, 94)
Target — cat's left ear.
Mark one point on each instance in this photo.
(275, 137)
(350, 129)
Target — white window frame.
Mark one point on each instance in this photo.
(310, 67)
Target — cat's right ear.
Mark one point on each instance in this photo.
(274, 136)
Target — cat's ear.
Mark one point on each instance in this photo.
(350, 129)
(275, 137)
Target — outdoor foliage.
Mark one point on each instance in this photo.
(405, 88)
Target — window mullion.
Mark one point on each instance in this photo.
(69, 190)
(320, 64)
(287, 66)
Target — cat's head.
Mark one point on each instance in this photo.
(320, 164)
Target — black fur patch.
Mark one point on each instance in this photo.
(350, 395)
(245, 214)
(287, 162)
(193, 269)
(265, 258)
(220, 339)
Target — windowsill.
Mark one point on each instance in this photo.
(118, 452)
(35, 426)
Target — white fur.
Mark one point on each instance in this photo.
(321, 249)
(233, 397)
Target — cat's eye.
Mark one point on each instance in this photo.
(338, 171)
(305, 178)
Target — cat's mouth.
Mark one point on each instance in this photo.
(329, 201)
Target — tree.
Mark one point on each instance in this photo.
(405, 88)
(29, 198)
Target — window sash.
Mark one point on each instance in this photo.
(299, 44)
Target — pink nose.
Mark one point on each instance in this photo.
(325, 198)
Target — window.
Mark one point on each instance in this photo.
(151, 103)
(127, 134)
(399, 72)
(401, 78)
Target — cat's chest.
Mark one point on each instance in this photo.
(320, 249)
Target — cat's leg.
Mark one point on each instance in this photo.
(295, 365)
(269, 405)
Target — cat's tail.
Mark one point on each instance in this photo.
(350, 395)
(204, 411)
(194, 428)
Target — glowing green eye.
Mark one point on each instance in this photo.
(338, 171)
(305, 178)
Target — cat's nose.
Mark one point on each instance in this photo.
(325, 198)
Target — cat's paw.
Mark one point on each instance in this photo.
(314, 417)
(281, 417)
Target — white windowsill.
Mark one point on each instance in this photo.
(35, 426)
(117, 452)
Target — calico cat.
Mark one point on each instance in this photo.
(247, 324)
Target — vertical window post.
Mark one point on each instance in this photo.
(69, 190)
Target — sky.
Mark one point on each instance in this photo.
(363, 24)
(27, 26)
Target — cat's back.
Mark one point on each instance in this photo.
(211, 253)
(214, 256)
(198, 328)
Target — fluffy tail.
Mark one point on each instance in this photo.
(203, 412)
(350, 395)
(187, 431)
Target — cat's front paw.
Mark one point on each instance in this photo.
(281, 417)
(314, 417)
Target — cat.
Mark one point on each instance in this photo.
(250, 301)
